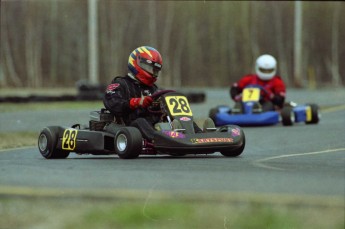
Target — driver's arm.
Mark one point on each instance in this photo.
(116, 99)
(237, 88)
(234, 91)
(279, 91)
(143, 102)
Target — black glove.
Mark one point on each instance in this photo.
(278, 100)
(234, 91)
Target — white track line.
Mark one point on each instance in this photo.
(260, 163)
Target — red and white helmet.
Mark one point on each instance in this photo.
(144, 64)
(266, 67)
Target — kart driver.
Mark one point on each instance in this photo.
(129, 97)
(275, 90)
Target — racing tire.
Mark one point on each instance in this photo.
(236, 152)
(315, 115)
(128, 143)
(47, 141)
(288, 116)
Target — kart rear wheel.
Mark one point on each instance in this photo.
(315, 115)
(236, 152)
(288, 116)
(47, 141)
(128, 143)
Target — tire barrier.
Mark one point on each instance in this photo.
(89, 92)
(86, 92)
(196, 97)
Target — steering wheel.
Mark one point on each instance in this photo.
(261, 88)
(155, 96)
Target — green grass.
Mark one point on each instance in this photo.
(89, 213)
(18, 139)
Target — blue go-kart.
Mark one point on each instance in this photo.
(248, 111)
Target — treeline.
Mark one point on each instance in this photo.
(44, 43)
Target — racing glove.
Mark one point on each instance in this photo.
(235, 92)
(278, 100)
(143, 102)
(238, 98)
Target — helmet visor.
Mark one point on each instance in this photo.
(149, 66)
(266, 70)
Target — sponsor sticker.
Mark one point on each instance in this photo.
(185, 119)
(112, 87)
(210, 140)
(173, 134)
(235, 132)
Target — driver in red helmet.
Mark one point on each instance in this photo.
(127, 97)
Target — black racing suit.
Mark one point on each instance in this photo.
(117, 99)
(119, 93)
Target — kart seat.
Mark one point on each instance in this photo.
(209, 125)
(162, 126)
(98, 119)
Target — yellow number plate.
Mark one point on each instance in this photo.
(69, 139)
(178, 106)
(251, 95)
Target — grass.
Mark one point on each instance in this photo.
(18, 139)
(181, 213)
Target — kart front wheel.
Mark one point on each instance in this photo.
(128, 143)
(288, 116)
(236, 152)
(315, 115)
(47, 141)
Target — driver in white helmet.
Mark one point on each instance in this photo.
(275, 90)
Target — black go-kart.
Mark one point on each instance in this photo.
(174, 134)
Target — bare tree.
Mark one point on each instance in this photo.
(280, 41)
(33, 45)
(53, 42)
(334, 65)
(203, 43)
(167, 39)
(7, 58)
(298, 45)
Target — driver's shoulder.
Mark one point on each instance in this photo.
(118, 79)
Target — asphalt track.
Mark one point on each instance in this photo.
(302, 161)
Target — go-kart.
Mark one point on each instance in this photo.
(248, 112)
(174, 134)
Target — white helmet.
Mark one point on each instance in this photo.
(266, 67)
